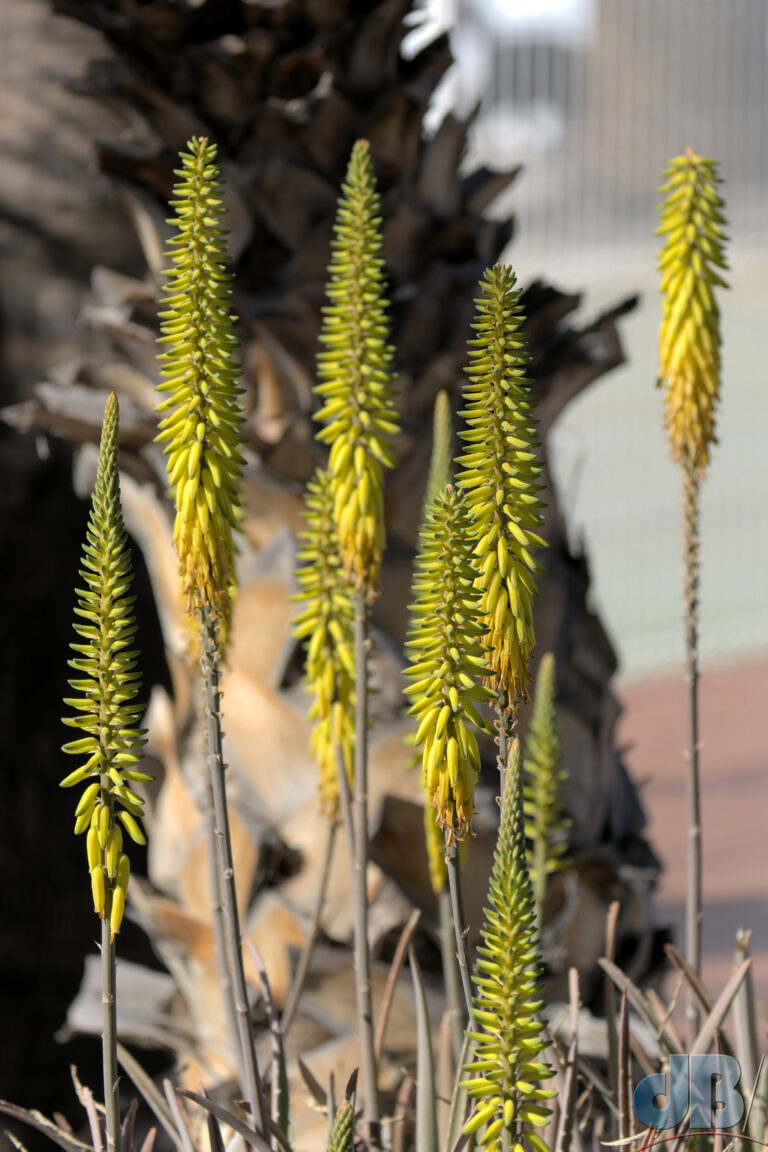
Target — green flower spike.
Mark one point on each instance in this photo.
(355, 371)
(545, 815)
(201, 434)
(506, 1075)
(501, 470)
(446, 660)
(689, 339)
(107, 684)
(342, 1137)
(326, 623)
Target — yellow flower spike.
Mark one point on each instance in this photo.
(326, 623)
(444, 642)
(508, 1093)
(201, 434)
(106, 678)
(355, 371)
(546, 819)
(691, 222)
(500, 475)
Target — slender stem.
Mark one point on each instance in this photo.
(453, 993)
(359, 872)
(506, 723)
(691, 521)
(109, 1033)
(459, 923)
(297, 984)
(209, 663)
(219, 930)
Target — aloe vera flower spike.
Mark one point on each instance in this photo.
(107, 713)
(500, 476)
(326, 623)
(106, 685)
(446, 663)
(544, 778)
(355, 372)
(201, 431)
(691, 223)
(506, 1074)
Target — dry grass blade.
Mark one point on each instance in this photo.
(692, 978)
(316, 1089)
(248, 1134)
(664, 1014)
(746, 1044)
(426, 1101)
(625, 1116)
(402, 1111)
(85, 1096)
(721, 1006)
(42, 1124)
(150, 1093)
(564, 1132)
(457, 1114)
(127, 1128)
(148, 1143)
(394, 971)
(281, 1108)
(182, 1124)
(611, 922)
(639, 1002)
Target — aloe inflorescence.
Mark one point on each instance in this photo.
(355, 372)
(201, 432)
(106, 685)
(506, 1074)
(500, 475)
(544, 778)
(447, 660)
(326, 623)
(691, 222)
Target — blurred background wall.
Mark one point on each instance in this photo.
(593, 97)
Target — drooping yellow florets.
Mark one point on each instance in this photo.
(500, 475)
(326, 623)
(355, 370)
(689, 338)
(106, 687)
(446, 660)
(201, 434)
(506, 1074)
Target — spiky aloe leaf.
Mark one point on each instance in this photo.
(500, 474)
(506, 1076)
(691, 222)
(355, 371)
(446, 660)
(326, 623)
(546, 821)
(106, 685)
(201, 433)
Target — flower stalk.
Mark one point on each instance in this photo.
(107, 713)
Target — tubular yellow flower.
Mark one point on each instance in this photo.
(326, 624)
(107, 684)
(201, 434)
(446, 660)
(691, 222)
(355, 371)
(500, 475)
(505, 1073)
(545, 816)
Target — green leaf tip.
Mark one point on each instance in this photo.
(356, 377)
(446, 661)
(441, 461)
(202, 414)
(325, 622)
(500, 474)
(690, 262)
(544, 779)
(106, 685)
(505, 1072)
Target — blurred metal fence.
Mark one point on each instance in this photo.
(593, 97)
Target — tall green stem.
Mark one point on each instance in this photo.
(691, 524)
(219, 929)
(359, 873)
(448, 953)
(210, 668)
(459, 920)
(506, 723)
(109, 1033)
